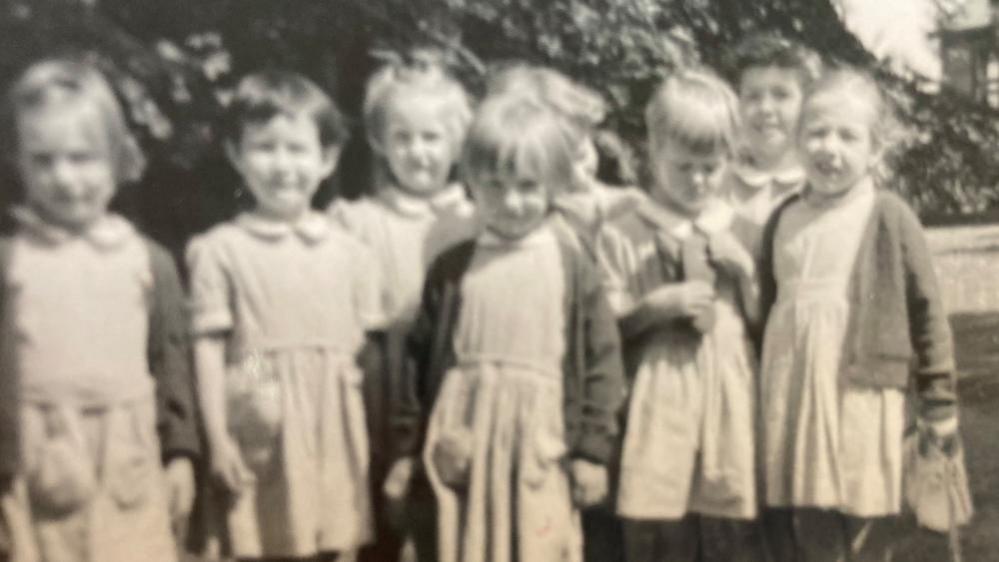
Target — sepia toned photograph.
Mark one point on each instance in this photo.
(499, 280)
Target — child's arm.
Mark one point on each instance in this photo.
(727, 252)
(929, 330)
(211, 321)
(224, 458)
(666, 303)
(168, 355)
(601, 390)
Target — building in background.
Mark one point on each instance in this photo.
(969, 44)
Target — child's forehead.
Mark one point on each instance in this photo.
(771, 74)
(675, 149)
(299, 123)
(416, 105)
(841, 103)
(63, 125)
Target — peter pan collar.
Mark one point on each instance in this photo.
(718, 216)
(539, 236)
(756, 179)
(312, 228)
(405, 204)
(106, 233)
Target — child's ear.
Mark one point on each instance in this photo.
(331, 156)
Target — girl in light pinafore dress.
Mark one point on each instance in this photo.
(416, 118)
(684, 289)
(517, 353)
(93, 341)
(847, 283)
(281, 300)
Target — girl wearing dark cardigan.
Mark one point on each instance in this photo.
(851, 302)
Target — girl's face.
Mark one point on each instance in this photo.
(282, 162)
(687, 179)
(511, 204)
(836, 142)
(417, 145)
(66, 164)
(770, 101)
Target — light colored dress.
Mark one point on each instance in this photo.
(506, 392)
(294, 300)
(689, 439)
(91, 484)
(828, 443)
(405, 234)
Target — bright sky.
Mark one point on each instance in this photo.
(898, 29)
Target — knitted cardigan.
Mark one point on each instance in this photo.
(592, 370)
(897, 333)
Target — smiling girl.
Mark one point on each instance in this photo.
(281, 301)
(515, 357)
(852, 301)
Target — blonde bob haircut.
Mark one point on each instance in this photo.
(69, 84)
(399, 81)
(695, 108)
(514, 135)
(576, 102)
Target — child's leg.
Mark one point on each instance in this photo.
(778, 532)
(662, 541)
(870, 539)
(820, 536)
(602, 536)
(731, 540)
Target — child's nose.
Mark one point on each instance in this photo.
(62, 173)
(513, 202)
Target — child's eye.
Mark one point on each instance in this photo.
(431, 136)
(81, 157)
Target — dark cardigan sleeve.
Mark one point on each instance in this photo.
(10, 420)
(428, 351)
(601, 387)
(169, 357)
(929, 329)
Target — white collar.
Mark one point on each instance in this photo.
(445, 200)
(311, 228)
(716, 217)
(756, 179)
(538, 236)
(106, 233)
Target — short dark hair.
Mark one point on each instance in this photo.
(765, 49)
(263, 95)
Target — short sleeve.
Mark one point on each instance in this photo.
(613, 253)
(368, 288)
(211, 287)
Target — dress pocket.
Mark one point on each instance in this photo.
(255, 410)
(546, 448)
(132, 466)
(60, 471)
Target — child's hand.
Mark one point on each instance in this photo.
(589, 483)
(227, 465)
(180, 487)
(942, 434)
(396, 488)
(726, 252)
(452, 457)
(683, 300)
(397, 483)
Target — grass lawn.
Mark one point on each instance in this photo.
(967, 260)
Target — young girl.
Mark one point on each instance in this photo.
(684, 290)
(516, 350)
(588, 201)
(852, 301)
(416, 118)
(281, 300)
(771, 74)
(93, 341)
